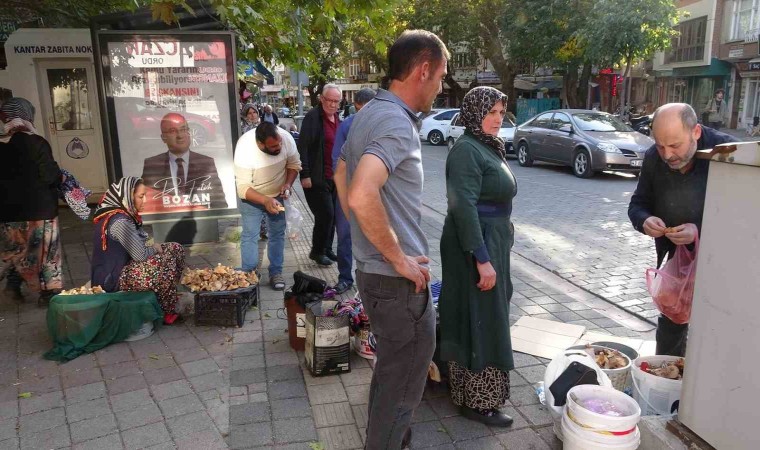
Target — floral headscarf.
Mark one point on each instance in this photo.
(475, 106)
(118, 199)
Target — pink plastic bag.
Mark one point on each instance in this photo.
(672, 287)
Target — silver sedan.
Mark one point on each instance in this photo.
(588, 141)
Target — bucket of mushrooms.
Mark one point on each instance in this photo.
(615, 364)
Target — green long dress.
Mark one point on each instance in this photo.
(475, 324)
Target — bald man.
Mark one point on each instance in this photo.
(671, 194)
(183, 178)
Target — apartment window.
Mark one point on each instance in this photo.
(354, 67)
(463, 60)
(689, 43)
(745, 21)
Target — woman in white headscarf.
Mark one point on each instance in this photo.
(29, 180)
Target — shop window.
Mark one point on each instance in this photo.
(689, 42)
(69, 95)
(745, 22)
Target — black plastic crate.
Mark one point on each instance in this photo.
(225, 308)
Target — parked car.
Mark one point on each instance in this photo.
(507, 132)
(283, 111)
(435, 127)
(588, 141)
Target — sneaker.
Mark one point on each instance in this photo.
(277, 282)
(342, 287)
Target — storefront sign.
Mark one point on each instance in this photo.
(172, 112)
(52, 49)
(6, 28)
(488, 77)
(736, 52)
(754, 66)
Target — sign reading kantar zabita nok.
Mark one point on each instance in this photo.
(172, 110)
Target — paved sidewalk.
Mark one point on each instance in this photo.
(206, 387)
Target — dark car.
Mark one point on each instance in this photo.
(588, 141)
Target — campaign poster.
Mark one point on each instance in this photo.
(172, 107)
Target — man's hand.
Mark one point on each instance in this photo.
(410, 267)
(285, 191)
(306, 183)
(683, 234)
(273, 206)
(654, 226)
(487, 276)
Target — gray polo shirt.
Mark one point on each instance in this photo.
(388, 129)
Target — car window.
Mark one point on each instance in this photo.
(559, 120)
(446, 115)
(599, 122)
(543, 121)
(457, 121)
(507, 123)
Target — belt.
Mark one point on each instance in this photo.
(494, 209)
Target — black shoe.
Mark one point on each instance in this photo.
(331, 254)
(322, 260)
(14, 293)
(407, 440)
(493, 417)
(342, 287)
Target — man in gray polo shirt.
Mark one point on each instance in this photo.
(380, 179)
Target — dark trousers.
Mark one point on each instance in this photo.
(321, 201)
(671, 337)
(345, 256)
(403, 323)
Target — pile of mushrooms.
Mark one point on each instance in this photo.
(220, 278)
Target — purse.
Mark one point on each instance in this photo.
(304, 284)
(574, 375)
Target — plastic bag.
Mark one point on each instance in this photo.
(672, 287)
(294, 220)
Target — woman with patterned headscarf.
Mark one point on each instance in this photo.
(29, 180)
(122, 259)
(477, 238)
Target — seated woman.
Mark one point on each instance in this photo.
(122, 260)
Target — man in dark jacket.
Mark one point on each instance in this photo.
(315, 145)
(671, 194)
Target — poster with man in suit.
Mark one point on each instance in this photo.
(179, 178)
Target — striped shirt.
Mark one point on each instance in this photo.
(134, 241)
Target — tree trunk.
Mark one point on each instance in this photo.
(456, 89)
(583, 85)
(570, 86)
(489, 35)
(622, 92)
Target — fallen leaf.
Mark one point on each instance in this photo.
(152, 356)
(25, 395)
(316, 446)
(441, 430)
(267, 315)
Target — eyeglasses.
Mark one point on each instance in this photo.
(173, 131)
(333, 102)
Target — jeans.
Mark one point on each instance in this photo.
(345, 257)
(321, 201)
(251, 215)
(403, 323)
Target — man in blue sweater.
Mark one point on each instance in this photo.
(670, 196)
(342, 227)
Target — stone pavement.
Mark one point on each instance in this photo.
(194, 387)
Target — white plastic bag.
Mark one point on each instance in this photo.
(294, 220)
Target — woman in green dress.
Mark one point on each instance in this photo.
(477, 238)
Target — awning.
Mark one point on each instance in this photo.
(251, 68)
(717, 68)
(524, 85)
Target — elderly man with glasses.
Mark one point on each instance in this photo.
(315, 145)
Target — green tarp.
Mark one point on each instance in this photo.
(85, 323)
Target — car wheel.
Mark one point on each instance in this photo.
(523, 155)
(450, 143)
(435, 137)
(582, 164)
(198, 134)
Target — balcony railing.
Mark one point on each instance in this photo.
(752, 35)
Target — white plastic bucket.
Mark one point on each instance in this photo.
(576, 437)
(587, 430)
(143, 332)
(655, 395)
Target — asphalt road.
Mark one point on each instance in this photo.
(577, 228)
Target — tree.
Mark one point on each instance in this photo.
(545, 32)
(626, 32)
(65, 13)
